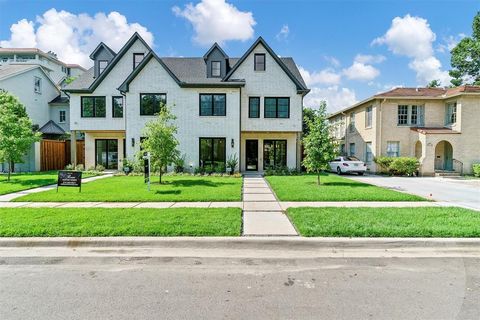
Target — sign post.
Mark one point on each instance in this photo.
(70, 179)
(146, 168)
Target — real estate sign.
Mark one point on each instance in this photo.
(69, 179)
(146, 168)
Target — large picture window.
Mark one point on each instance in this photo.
(93, 107)
(151, 103)
(254, 107)
(274, 154)
(213, 104)
(212, 152)
(117, 107)
(106, 153)
(277, 107)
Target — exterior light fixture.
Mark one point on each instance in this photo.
(233, 143)
(133, 142)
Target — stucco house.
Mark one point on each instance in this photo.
(438, 126)
(250, 107)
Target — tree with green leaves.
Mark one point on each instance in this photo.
(16, 133)
(465, 58)
(434, 84)
(160, 140)
(320, 147)
(308, 114)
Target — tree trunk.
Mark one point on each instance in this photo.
(318, 177)
(160, 175)
(9, 171)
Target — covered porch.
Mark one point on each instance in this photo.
(105, 148)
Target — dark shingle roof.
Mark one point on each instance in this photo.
(60, 99)
(51, 128)
(83, 81)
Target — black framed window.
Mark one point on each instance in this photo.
(117, 107)
(276, 107)
(213, 104)
(212, 152)
(274, 154)
(137, 59)
(254, 107)
(106, 153)
(62, 116)
(259, 61)
(93, 107)
(216, 69)
(151, 103)
(102, 64)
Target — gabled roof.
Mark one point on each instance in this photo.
(11, 70)
(73, 87)
(51, 128)
(301, 87)
(215, 46)
(100, 46)
(60, 100)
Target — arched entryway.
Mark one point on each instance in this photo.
(444, 156)
(418, 150)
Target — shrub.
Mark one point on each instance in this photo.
(281, 171)
(99, 168)
(404, 166)
(179, 163)
(476, 169)
(80, 167)
(384, 163)
(220, 168)
(69, 167)
(232, 163)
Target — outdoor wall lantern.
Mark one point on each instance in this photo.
(233, 143)
(133, 142)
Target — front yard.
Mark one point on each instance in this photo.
(77, 222)
(386, 222)
(332, 188)
(133, 189)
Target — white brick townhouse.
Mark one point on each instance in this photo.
(250, 107)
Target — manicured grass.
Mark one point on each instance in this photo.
(386, 222)
(24, 181)
(332, 188)
(133, 188)
(77, 222)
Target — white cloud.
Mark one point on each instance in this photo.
(361, 69)
(336, 97)
(332, 60)
(412, 37)
(326, 76)
(450, 42)
(73, 37)
(284, 32)
(367, 58)
(217, 21)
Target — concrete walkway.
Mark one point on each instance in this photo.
(262, 213)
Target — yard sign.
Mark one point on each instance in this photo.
(70, 179)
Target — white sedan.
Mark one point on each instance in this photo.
(348, 164)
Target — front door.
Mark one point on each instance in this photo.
(251, 155)
(448, 157)
(106, 153)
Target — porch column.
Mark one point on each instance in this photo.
(73, 147)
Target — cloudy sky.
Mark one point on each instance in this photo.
(346, 50)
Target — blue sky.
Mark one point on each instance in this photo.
(332, 41)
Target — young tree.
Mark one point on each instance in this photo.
(160, 140)
(465, 59)
(319, 145)
(16, 133)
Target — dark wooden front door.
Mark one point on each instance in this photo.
(251, 155)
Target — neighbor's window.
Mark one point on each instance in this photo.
(368, 152)
(137, 58)
(393, 148)
(410, 115)
(351, 126)
(212, 152)
(93, 107)
(152, 103)
(62, 116)
(37, 82)
(213, 104)
(117, 107)
(102, 64)
(276, 107)
(254, 107)
(259, 61)
(368, 117)
(451, 114)
(351, 150)
(216, 69)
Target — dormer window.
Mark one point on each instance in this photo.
(102, 64)
(259, 62)
(216, 68)
(137, 59)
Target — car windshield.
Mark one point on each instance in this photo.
(351, 159)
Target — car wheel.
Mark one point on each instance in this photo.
(339, 171)
(360, 173)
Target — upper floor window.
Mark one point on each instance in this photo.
(117, 107)
(351, 125)
(37, 83)
(393, 149)
(254, 107)
(137, 58)
(351, 150)
(216, 69)
(62, 116)
(151, 103)
(451, 113)
(276, 107)
(410, 115)
(102, 64)
(213, 104)
(93, 107)
(368, 117)
(259, 61)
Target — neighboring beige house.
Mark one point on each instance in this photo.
(441, 127)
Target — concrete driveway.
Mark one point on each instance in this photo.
(464, 193)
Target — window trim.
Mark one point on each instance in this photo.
(219, 69)
(60, 116)
(351, 124)
(398, 149)
(258, 107)
(212, 104)
(367, 143)
(200, 148)
(255, 61)
(448, 115)
(419, 114)
(276, 107)
(274, 141)
(140, 102)
(94, 106)
(113, 106)
(137, 54)
(369, 117)
(100, 71)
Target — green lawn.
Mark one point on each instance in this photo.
(332, 188)
(132, 189)
(24, 181)
(77, 222)
(386, 222)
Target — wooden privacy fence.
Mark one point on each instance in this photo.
(55, 154)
